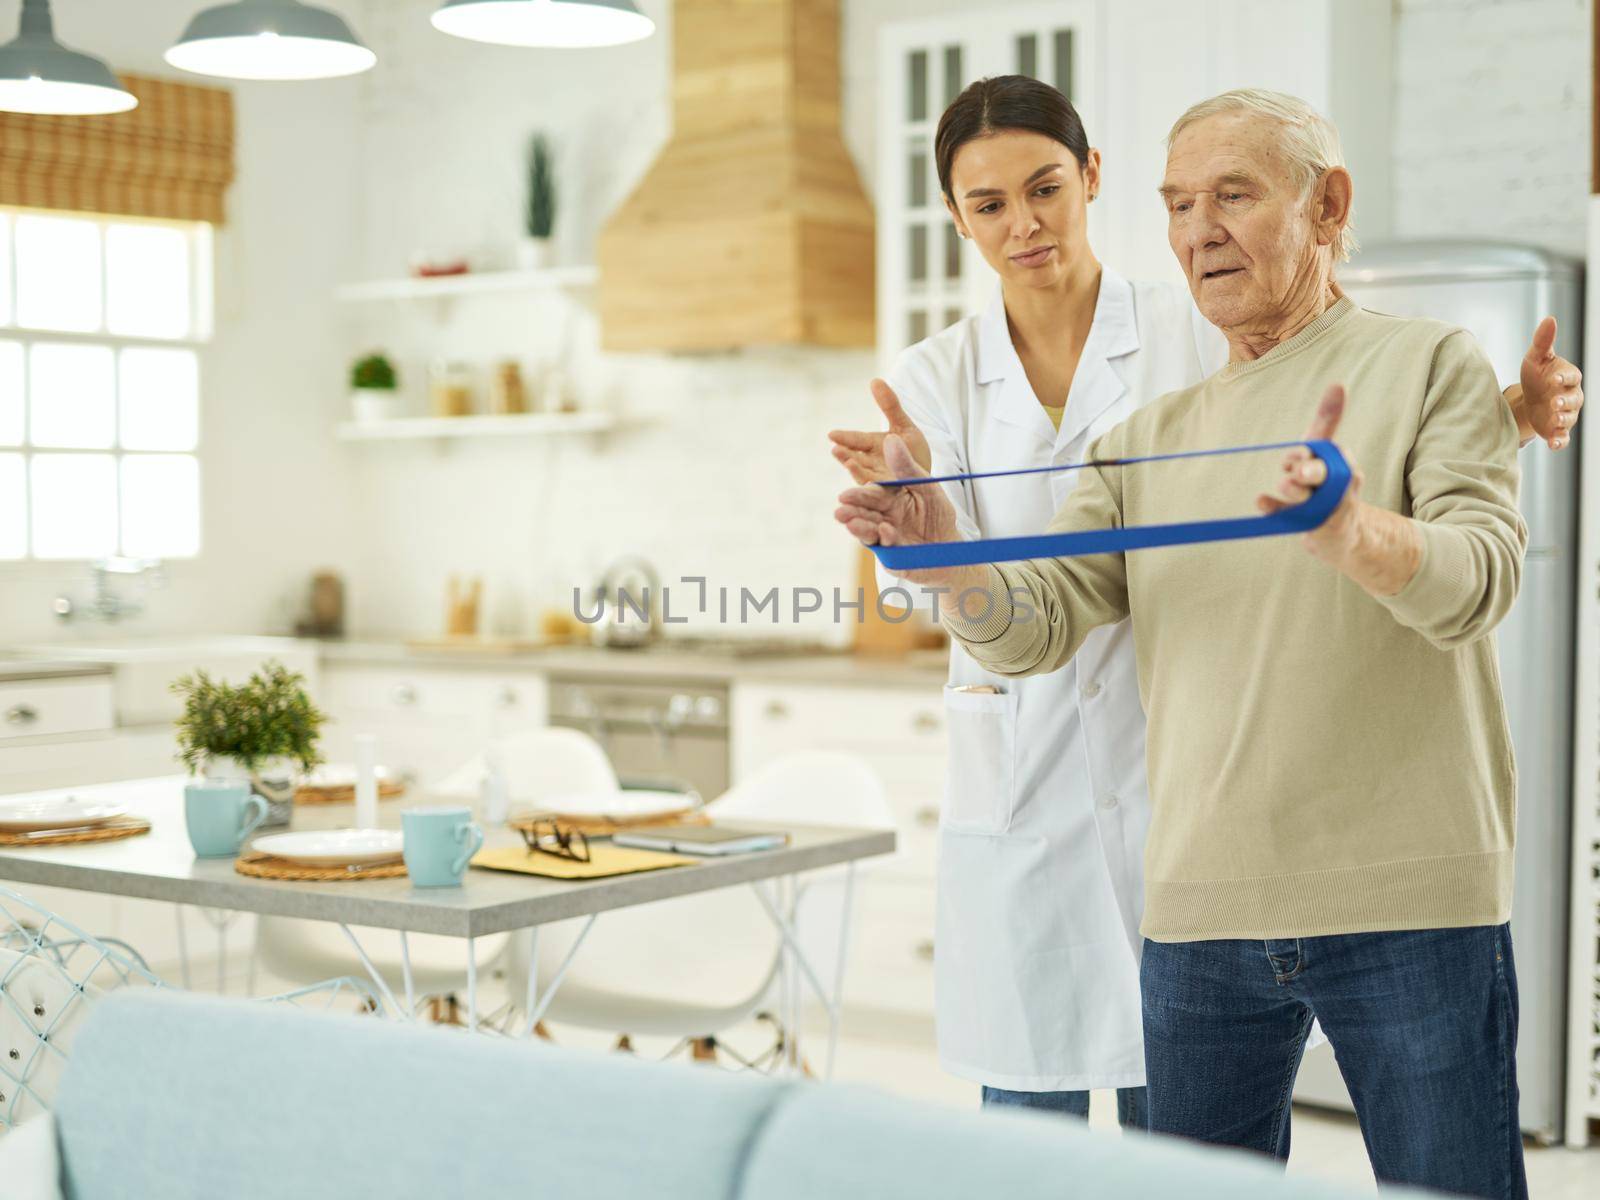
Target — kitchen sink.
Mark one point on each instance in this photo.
(143, 668)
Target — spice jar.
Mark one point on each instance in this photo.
(450, 387)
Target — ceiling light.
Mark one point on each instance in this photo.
(564, 24)
(40, 75)
(270, 39)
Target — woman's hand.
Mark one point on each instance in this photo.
(1552, 391)
(903, 516)
(861, 452)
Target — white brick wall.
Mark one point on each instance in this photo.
(1492, 120)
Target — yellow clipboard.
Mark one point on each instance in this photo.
(605, 860)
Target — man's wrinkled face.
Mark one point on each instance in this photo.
(1239, 221)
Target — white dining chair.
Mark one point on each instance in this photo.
(539, 763)
(694, 967)
(51, 972)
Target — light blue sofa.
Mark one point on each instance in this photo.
(184, 1098)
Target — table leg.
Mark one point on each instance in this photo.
(375, 974)
(183, 947)
(472, 984)
(793, 954)
(405, 967)
(531, 989)
(538, 1004)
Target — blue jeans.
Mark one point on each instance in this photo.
(1132, 1111)
(1423, 1023)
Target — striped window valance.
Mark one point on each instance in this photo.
(171, 157)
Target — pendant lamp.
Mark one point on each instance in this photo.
(270, 39)
(564, 24)
(40, 75)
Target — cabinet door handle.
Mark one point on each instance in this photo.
(403, 693)
(925, 949)
(21, 714)
(925, 722)
(508, 697)
(777, 710)
(928, 816)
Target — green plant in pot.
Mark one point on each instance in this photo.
(261, 732)
(374, 389)
(539, 211)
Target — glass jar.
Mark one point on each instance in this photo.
(451, 386)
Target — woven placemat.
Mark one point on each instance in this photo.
(344, 795)
(112, 831)
(602, 826)
(267, 866)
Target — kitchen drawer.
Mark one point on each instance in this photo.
(48, 707)
(836, 717)
(891, 955)
(428, 692)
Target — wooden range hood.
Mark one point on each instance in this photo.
(751, 228)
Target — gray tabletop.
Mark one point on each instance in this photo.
(161, 866)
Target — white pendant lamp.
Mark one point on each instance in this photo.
(563, 24)
(270, 39)
(40, 75)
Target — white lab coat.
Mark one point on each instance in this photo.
(1041, 850)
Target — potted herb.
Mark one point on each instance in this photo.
(539, 211)
(260, 732)
(373, 389)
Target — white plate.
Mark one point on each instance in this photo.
(62, 812)
(619, 805)
(334, 847)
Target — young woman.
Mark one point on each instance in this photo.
(1046, 808)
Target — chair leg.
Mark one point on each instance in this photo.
(704, 1050)
(444, 1010)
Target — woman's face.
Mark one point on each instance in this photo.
(1022, 197)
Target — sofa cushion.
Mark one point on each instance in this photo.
(184, 1097)
(849, 1142)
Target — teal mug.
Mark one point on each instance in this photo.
(220, 816)
(438, 843)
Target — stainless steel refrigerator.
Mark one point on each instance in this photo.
(1499, 292)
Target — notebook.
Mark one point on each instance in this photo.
(700, 839)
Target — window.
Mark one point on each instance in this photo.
(101, 320)
(928, 278)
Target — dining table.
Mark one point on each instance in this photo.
(161, 865)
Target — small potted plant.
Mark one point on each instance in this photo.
(259, 732)
(373, 389)
(539, 212)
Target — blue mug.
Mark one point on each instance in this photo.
(220, 816)
(438, 843)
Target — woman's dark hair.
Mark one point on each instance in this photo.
(1006, 102)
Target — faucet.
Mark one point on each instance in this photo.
(106, 604)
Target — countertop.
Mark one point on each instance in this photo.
(921, 668)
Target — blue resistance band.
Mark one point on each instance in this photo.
(1299, 518)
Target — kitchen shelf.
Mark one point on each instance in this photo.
(517, 425)
(440, 287)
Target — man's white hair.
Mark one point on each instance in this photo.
(1309, 139)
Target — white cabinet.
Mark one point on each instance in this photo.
(428, 720)
(33, 708)
(900, 733)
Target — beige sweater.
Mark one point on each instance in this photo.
(1320, 761)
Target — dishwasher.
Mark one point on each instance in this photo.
(670, 734)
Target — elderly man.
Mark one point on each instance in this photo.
(1331, 775)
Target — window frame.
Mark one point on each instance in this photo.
(201, 239)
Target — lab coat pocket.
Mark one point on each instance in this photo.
(981, 768)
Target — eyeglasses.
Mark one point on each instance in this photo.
(548, 837)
